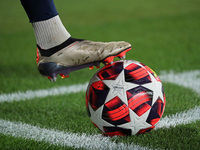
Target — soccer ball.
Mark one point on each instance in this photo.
(125, 98)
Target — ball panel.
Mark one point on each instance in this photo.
(146, 130)
(113, 131)
(136, 74)
(156, 112)
(115, 112)
(152, 72)
(97, 94)
(140, 110)
(110, 72)
(139, 100)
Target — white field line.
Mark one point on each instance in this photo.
(189, 79)
(185, 117)
(30, 94)
(186, 79)
(55, 137)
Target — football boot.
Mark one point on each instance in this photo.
(75, 54)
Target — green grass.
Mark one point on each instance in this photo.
(164, 34)
(181, 137)
(20, 143)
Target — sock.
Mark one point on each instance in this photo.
(50, 33)
(48, 28)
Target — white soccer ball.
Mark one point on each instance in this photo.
(125, 98)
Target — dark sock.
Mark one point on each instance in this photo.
(39, 10)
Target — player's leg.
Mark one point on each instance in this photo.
(58, 52)
(48, 28)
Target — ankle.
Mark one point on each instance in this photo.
(50, 33)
